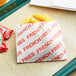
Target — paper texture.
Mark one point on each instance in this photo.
(45, 3)
(42, 41)
(60, 4)
(65, 4)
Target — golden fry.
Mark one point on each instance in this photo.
(43, 17)
(25, 21)
(48, 18)
(37, 18)
(33, 20)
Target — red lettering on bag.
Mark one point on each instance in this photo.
(19, 53)
(39, 60)
(43, 23)
(44, 46)
(43, 57)
(54, 25)
(24, 29)
(58, 57)
(57, 34)
(32, 44)
(19, 61)
(20, 41)
(34, 32)
(28, 57)
(45, 33)
(32, 23)
(56, 47)
(64, 51)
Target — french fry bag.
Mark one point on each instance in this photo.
(39, 38)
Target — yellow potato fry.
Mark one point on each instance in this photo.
(48, 18)
(25, 21)
(43, 17)
(39, 17)
(33, 20)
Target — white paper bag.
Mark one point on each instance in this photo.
(42, 41)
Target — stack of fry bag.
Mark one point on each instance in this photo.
(5, 34)
(39, 38)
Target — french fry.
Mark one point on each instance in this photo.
(33, 20)
(37, 18)
(25, 21)
(43, 17)
(48, 18)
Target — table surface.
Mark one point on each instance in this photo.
(8, 65)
